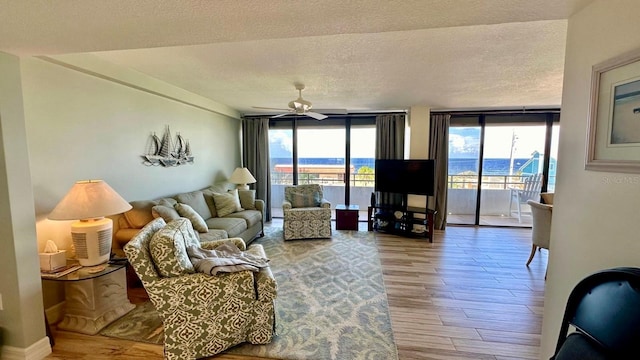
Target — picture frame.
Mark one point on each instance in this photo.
(613, 136)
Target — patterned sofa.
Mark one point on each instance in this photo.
(202, 314)
(307, 215)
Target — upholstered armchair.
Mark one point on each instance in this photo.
(202, 314)
(541, 227)
(307, 215)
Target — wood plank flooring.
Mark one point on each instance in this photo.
(467, 295)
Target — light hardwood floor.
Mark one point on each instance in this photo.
(467, 295)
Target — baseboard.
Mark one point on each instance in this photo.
(37, 351)
(55, 313)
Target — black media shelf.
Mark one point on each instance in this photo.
(407, 221)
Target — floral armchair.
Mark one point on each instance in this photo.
(307, 215)
(202, 315)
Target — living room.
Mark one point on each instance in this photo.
(60, 125)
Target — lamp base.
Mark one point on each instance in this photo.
(242, 187)
(92, 240)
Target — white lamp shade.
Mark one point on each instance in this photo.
(242, 176)
(89, 199)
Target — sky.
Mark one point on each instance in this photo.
(324, 143)
(463, 142)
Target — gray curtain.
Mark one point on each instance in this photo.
(255, 141)
(390, 129)
(439, 151)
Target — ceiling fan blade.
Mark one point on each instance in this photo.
(279, 115)
(332, 111)
(315, 115)
(269, 108)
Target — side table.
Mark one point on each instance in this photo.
(347, 217)
(94, 299)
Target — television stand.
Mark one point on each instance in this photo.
(409, 221)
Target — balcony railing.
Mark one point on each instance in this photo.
(496, 191)
(335, 179)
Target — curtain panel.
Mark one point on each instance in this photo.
(439, 151)
(255, 156)
(390, 130)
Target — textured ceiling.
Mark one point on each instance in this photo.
(354, 55)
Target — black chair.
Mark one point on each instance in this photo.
(604, 309)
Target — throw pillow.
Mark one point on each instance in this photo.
(196, 200)
(299, 200)
(168, 249)
(208, 198)
(227, 203)
(196, 220)
(247, 199)
(165, 212)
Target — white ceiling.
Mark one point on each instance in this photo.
(359, 55)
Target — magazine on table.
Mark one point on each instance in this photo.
(59, 272)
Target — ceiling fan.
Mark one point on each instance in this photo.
(298, 106)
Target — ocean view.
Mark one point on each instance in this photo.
(498, 166)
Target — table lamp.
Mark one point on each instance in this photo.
(242, 177)
(89, 201)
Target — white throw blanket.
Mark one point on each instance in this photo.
(224, 259)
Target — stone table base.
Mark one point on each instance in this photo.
(92, 304)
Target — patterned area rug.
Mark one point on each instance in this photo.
(331, 302)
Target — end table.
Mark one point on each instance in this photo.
(347, 217)
(94, 299)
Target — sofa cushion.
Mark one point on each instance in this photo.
(208, 198)
(188, 212)
(227, 203)
(247, 199)
(213, 234)
(196, 200)
(140, 213)
(168, 248)
(168, 213)
(252, 217)
(233, 226)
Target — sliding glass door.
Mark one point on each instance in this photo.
(322, 160)
(512, 163)
(464, 170)
(337, 153)
(496, 163)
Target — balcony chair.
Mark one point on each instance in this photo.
(530, 191)
(541, 227)
(202, 314)
(604, 310)
(307, 215)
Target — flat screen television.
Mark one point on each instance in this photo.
(405, 176)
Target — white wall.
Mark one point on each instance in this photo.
(81, 126)
(22, 319)
(59, 125)
(419, 122)
(595, 218)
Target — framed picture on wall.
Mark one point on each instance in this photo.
(613, 142)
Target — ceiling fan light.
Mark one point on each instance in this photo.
(300, 105)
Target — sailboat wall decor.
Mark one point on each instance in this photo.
(165, 152)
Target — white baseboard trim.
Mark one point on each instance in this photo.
(37, 351)
(55, 312)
